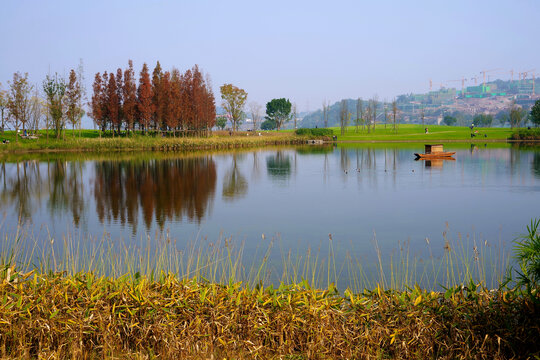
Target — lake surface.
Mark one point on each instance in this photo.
(365, 196)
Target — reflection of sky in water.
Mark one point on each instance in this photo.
(297, 195)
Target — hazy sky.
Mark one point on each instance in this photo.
(307, 51)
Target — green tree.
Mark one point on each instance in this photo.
(535, 113)
(221, 122)
(55, 89)
(234, 100)
(278, 111)
(483, 120)
(516, 115)
(268, 125)
(449, 120)
(502, 117)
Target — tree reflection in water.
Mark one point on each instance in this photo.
(22, 185)
(66, 188)
(536, 164)
(163, 189)
(235, 185)
(278, 166)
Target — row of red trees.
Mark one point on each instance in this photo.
(170, 101)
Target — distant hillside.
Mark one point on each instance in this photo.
(315, 119)
(495, 98)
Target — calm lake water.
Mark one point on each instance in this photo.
(360, 194)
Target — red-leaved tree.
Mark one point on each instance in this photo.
(170, 101)
(158, 98)
(129, 92)
(145, 95)
(113, 103)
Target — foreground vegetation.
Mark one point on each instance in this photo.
(113, 302)
(55, 315)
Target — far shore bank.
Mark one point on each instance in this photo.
(466, 141)
(90, 140)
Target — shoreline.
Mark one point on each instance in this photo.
(222, 140)
(154, 144)
(234, 144)
(466, 141)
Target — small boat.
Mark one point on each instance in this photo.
(434, 152)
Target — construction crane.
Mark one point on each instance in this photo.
(484, 73)
(462, 83)
(475, 80)
(430, 84)
(512, 76)
(525, 74)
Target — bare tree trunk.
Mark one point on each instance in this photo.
(294, 115)
(375, 102)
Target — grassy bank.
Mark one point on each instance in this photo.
(101, 299)
(416, 133)
(91, 141)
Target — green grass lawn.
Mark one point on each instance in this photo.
(416, 133)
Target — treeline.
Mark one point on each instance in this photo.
(167, 102)
(61, 102)
(516, 116)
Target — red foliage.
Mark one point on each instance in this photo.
(145, 94)
(113, 107)
(175, 105)
(129, 93)
(120, 96)
(96, 104)
(158, 98)
(170, 101)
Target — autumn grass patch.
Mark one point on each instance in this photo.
(202, 301)
(90, 141)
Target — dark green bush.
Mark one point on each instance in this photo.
(315, 132)
(527, 249)
(526, 134)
